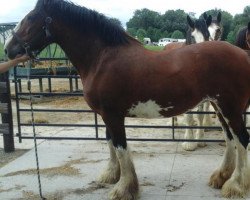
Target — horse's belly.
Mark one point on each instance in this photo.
(149, 109)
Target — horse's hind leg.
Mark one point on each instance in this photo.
(189, 146)
(207, 117)
(127, 187)
(238, 184)
(221, 175)
(112, 173)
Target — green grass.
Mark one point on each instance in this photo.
(53, 51)
(153, 48)
(2, 56)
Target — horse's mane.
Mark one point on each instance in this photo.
(199, 24)
(241, 38)
(86, 20)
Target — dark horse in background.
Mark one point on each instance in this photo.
(243, 38)
(197, 32)
(123, 79)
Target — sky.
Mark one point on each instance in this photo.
(15, 10)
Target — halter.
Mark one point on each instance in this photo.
(27, 45)
(247, 42)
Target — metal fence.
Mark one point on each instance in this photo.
(96, 125)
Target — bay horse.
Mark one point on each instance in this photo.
(243, 38)
(123, 79)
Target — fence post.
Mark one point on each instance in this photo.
(6, 112)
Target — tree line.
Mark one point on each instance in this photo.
(173, 24)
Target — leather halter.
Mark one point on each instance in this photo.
(27, 45)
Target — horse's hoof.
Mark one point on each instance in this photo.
(124, 192)
(201, 144)
(189, 146)
(218, 178)
(232, 189)
(110, 175)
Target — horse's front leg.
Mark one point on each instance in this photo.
(112, 172)
(127, 187)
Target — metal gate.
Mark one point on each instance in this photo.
(73, 85)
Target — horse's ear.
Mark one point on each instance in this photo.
(219, 17)
(205, 15)
(248, 26)
(190, 22)
(209, 20)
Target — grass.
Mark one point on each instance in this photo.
(2, 55)
(153, 48)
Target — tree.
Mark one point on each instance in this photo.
(177, 35)
(131, 31)
(246, 12)
(174, 20)
(141, 33)
(154, 34)
(231, 37)
(144, 19)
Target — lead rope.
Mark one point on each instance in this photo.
(34, 133)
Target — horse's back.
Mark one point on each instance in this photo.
(174, 45)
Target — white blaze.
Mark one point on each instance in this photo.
(198, 36)
(212, 30)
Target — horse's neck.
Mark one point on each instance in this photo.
(81, 50)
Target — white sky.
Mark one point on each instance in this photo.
(15, 10)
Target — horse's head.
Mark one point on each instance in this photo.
(215, 28)
(198, 31)
(32, 34)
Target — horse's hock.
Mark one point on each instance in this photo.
(6, 126)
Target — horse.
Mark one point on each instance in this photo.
(197, 32)
(243, 38)
(123, 79)
(215, 28)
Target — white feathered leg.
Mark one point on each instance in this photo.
(189, 146)
(200, 132)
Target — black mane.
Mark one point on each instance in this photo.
(85, 20)
(199, 24)
(241, 38)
